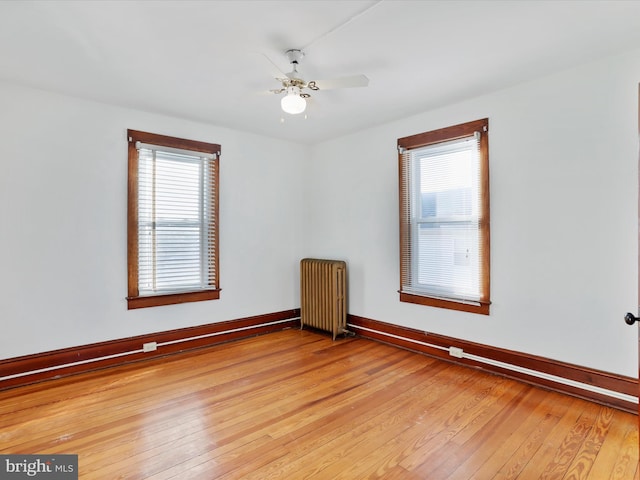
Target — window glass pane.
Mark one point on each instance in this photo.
(445, 257)
(448, 180)
(447, 260)
(177, 195)
(178, 253)
(171, 241)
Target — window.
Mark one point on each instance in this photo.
(444, 217)
(172, 220)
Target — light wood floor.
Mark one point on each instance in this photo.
(295, 405)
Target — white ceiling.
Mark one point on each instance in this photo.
(205, 60)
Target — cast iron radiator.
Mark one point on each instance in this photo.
(323, 295)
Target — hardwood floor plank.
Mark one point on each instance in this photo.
(379, 434)
(333, 434)
(605, 462)
(365, 462)
(517, 426)
(454, 453)
(232, 423)
(295, 404)
(591, 444)
(174, 375)
(476, 401)
(545, 456)
(270, 420)
(627, 461)
(570, 446)
(387, 457)
(527, 442)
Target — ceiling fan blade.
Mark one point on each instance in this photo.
(341, 82)
(276, 71)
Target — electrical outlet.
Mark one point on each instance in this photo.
(149, 347)
(456, 352)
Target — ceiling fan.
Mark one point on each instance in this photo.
(296, 87)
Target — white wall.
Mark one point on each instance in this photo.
(63, 207)
(564, 186)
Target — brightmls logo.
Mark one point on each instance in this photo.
(49, 467)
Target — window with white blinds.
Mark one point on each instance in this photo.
(173, 249)
(445, 217)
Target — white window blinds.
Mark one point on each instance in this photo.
(444, 189)
(176, 220)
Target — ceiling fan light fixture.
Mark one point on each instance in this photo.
(292, 102)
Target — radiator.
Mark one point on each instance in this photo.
(323, 295)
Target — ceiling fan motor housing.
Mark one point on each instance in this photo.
(294, 55)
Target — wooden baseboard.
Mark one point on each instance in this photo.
(605, 388)
(58, 363)
(602, 387)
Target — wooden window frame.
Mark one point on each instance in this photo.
(134, 299)
(429, 138)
